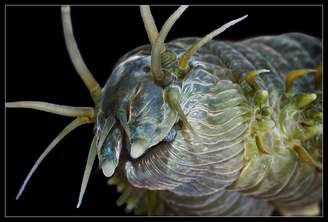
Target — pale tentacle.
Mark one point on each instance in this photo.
(53, 108)
(76, 57)
(69, 128)
(159, 44)
(88, 167)
(183, 62)
(149, 23)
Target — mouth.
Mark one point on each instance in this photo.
(114, 143)
(109, 145)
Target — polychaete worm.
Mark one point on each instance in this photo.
(199, 125)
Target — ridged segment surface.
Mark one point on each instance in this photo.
(208, 159)
(221, 203)
(205, 172)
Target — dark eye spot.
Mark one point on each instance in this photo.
(146, 69)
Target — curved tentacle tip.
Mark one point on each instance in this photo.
(183, 61)
(233, 22)
(19, 194)
(245, 16)
(249, 77)
(264, 70)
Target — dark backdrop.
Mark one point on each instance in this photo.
(38, 68)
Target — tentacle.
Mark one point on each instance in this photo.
(149, 24)
(88, 167)
(53, 108)
(159, 44)
(294, 75)
(76, 57)
(172, 96)
(69, 128)
(183, 61)
(249, 78)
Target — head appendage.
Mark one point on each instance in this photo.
(149, 24)
(76, 57)
(54, 108)
(159, 44)
(250, 77)
(293, 75)
(172, 96)
(69, 128)
(183, 61)
(88, 167)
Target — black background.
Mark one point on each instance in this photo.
(38, 68)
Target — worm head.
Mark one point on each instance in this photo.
(132, 112)
(142, 96)
(139, 105)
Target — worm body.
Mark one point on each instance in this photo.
(223, 169)
(197, 126)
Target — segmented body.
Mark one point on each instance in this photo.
(184, 128)
(220, 168)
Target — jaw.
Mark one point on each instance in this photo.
(109, 145)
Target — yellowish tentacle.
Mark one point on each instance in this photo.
(250, 77)
(53, 108)
(293, 75)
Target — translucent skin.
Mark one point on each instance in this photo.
(239, 160)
